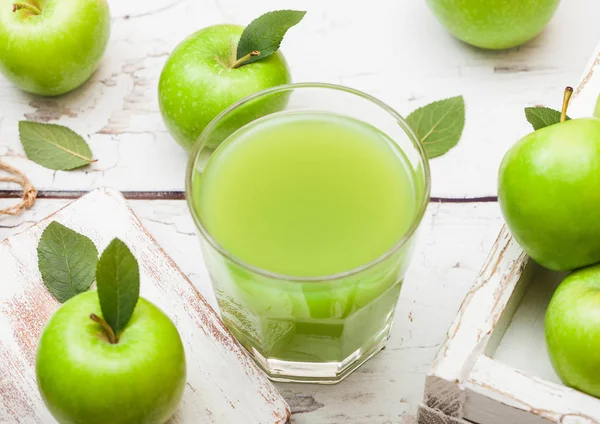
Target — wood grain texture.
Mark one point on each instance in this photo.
(497, 394)
(223, 386)
(410, 61)
(429, 415)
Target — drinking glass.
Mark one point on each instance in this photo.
(309, 329)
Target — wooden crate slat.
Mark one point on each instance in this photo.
(522, 398)
(471, 330)
(587, 91)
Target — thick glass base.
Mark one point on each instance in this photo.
(321, 372)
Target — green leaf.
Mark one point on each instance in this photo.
(54, 146)
(597, 109)
(439, 125)
(118, 280)
(265, 34)
(67, 261)
(540, 117)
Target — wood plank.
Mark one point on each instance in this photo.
(497, 394)
(472, 328)
(223, 383)
(412, 61)
(586, 93)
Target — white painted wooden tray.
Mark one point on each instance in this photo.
(493, 367)
(224, 386)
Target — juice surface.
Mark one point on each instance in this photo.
(306, 194)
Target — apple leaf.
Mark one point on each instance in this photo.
(540, 117)
(263, 36)
(118, 281)
(439, 125)
(597, 109)
(67, 261)
(54, 146)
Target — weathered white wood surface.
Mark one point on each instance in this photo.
(453, 243)
(393, 49)
(498, 394)
(223, 384)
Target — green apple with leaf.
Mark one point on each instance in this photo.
(105, 356)
(219, 65)
(548, 189)
(573, 330)
(494, 24)
(51, 47)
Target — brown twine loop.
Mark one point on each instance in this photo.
(29, 191)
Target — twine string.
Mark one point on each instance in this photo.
(29, 191)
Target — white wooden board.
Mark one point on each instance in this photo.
(223, 384)
(392, 49)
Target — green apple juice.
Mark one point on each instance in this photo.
(304, 210)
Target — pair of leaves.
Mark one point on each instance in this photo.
(68, 262)
(54, 146)
(265, 34)
(439, 125)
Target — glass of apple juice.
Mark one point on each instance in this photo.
(307, 198)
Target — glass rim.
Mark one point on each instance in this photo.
(196, 149)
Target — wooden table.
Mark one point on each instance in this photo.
(394, 50)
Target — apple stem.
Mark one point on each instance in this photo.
(565, 106)
(112, 337)
(27, 6)
(244, 59)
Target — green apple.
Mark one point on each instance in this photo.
(573, 330)
(548, 192)
(51, 47)
(200, 79)
(85, 379)
(494, 24)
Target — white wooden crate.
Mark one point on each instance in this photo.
(493, 367)
(223, 383)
